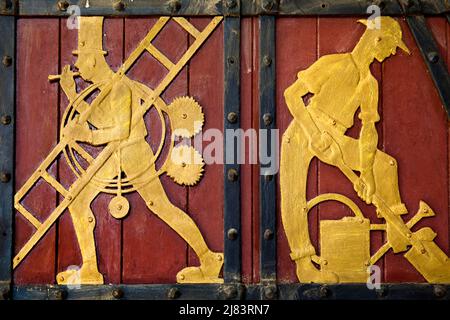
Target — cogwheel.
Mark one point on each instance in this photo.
(185, 165)
(186, 117)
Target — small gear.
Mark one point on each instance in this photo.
(185, 165)
(186, 117)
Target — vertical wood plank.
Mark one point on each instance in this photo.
(7, 113)
(37, 123)
(296, 50)
(206, 86)
(152, 252)
(415, 127)
(246, 115)
(108, 229)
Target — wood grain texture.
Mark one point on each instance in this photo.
(415, 129)
(152, 251)
(107, 230)
(36, 135)
(206, 86)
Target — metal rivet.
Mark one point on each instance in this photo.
(60, 294)
(324, 262)
(267, 118)
(183, 164)
(117, 293)
(267, 61)
(5, 294)
(231, 60)
(5, 120)
(175, 6)
(324, 292)
(409, 235)
(232, 234)
(231, 4)
(323, 5)
(119, 6)
(5, 177)
(184, 116)
(433, 57)
(173, 293)
(268, 234)
(267, 5)
(232, 175)
(423, 251)
(90, 219)
(7, 61)
(392, 163)
(270, 292)
(63, 5)
(150, 203)
(230, 292)
(382, 292)
(232, 117)
(439, 291)
(425, 210)
(69, 198)
(182, 277)
(333, 122)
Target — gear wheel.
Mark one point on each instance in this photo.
(186, 117)
(185, 165)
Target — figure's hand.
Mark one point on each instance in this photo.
(365, 186)
(77, 131)
(67, 82)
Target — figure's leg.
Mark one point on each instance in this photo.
(295, 161)
(210, 262)
(84, 223)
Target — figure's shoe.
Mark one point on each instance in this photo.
(308, 273)
(208, 272)
(79, 276)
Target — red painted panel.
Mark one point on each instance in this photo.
(415, 128)
(206, 86)
(37, 116)
(108, 229)
(295, 51)
(152, 251)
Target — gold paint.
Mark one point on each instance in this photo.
(117, 114)
(340, 84)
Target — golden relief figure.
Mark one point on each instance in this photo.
(340, 84)
(115, 118)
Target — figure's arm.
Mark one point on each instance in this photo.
(368, 140)
(121, 105)
(120, 100)
(68, 85)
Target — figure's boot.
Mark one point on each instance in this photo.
(85, 275)
(308, 273)
(208, 272)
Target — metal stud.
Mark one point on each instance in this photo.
(230, 292)
(174, 6)
(267, 5)
(324, 292)
(63, 5)
(270, 292)
(267, 61)
(433, 57)
(440, 291)
(5, 120)
(231, 60)
(117, 293)
(268, 234)
(173, 293)
(60, 295)
(267, 118)
(232, 175)
(5, 177)
(232, 117)
(232, 234)
(7, 61)
(119, 6)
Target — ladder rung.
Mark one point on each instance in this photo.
(35, 222)
(186, 25)
(79, 149)
(55, 184)
(160, 57)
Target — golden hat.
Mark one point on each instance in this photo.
(90, 35)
